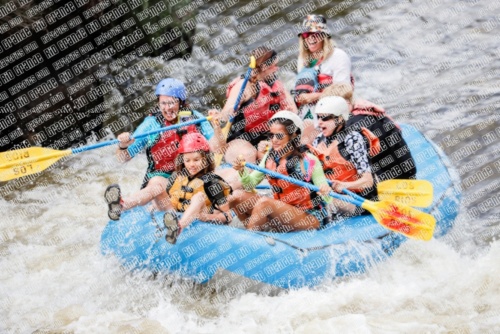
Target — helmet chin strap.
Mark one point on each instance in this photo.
(338, 128)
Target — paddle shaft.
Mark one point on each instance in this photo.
(240, 94)
(242, 90)
(227, 128)
(141, 135)
(409, 192)
(309, 186)
(59, 154)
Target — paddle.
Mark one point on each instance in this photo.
(27, 161)
(394, 216)
(410, 192)
(225, 130)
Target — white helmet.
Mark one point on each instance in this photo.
(292, 117)
(334, 105)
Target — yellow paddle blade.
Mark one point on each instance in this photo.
(27, 161)
(402, 218)
(410, 192)
(25, 153)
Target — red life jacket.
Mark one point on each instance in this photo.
(290, 193)
(164, 151)
(336, 167)
(324, 80)
(258, 111)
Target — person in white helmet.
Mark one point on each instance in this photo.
(395, 159)
(344, 153)
(292, 208)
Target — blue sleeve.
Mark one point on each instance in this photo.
(148, 124)
(205, 127)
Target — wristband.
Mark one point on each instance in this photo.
(122, 148)
(225, 215)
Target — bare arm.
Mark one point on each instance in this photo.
(224, 216)
(218, 141)
(365, 181)
(306, 98)
(289, 103)
(228, 109)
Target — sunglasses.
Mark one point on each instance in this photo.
(269, 61)
(278, 136)
(326, 118)
(168, 103)
(307, 34)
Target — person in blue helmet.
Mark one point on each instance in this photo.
(161, 148)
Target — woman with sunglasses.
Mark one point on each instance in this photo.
(264, 95)
(344, 153)
(292, 208)
(319, 55)
(395, 160)
(161, 148)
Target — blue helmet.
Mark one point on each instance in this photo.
(171, 87)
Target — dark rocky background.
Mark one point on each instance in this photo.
(61, 61)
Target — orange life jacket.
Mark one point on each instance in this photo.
(258, 111)
(336, 167)
(290, 193)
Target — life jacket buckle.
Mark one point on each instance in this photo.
(184, 201)
(277, 189)
(187, 189)
(274, 107)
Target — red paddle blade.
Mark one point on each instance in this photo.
(404, 219)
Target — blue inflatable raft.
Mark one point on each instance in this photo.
(229, 257)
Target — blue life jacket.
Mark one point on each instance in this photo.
(306, 81)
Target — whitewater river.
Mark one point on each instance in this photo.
(434, 64)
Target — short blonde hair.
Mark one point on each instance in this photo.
(305, 55)
(341, 89)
